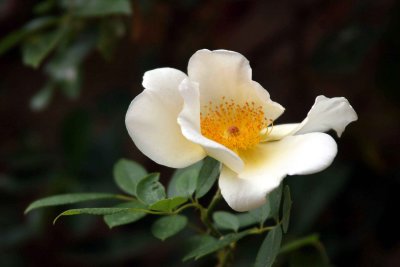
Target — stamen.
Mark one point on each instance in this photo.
(233, 130)
(236, 126)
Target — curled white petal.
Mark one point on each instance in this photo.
(151, 120)
(328, 113)
(189, 120)
(269, 163)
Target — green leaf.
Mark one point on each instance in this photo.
(287, 205)
(168, 226)
(12, 40)
(15, 37)
(149, 190)
(67, 199)
(125, 217)
(269, 248)
(127, 174)
(196, 243)
(209, 245)
(226, 220)
(168, 204)
(37, 47)
(42, 98)
(184, 181)
(71, 86)
(261, 214)
(207, 177)
(274, 200)
(65, 67)
(111, 30)
(64, 64)
(93, 8)
(90, 211)
(40, 23)
(247, 219)
(44, 7)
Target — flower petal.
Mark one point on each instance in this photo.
(219, 73)
(277, 132)
(267, 165)
(189, 120)
(151, 120)
(223, 73)
(328, 113)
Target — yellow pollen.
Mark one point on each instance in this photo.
(235, 126)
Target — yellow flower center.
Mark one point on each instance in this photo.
(235, 126)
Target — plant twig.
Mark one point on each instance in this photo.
(311, 240)
(213, 203)
(205, 214)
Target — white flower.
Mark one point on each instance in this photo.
(219, 111)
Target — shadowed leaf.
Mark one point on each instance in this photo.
(207, 177)
(168, 204)
(125, 217)
(149, 190)
(269, 248)
(67, 199)
(90, 211)
(168, 226)
(226, 220)
(127, 174)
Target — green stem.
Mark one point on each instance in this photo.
(217, 197)
(299, 243)
(225, 256)
(320, 247)
(184, 207)
(257, 230)
(154, 212)
(124, 197)
(206, 221)
(205, 213)
(311, 240)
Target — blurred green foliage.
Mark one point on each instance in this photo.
(64, 33)
(297, 51)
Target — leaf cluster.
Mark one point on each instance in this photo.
(144, 195)
(221, 230)
(65, 32)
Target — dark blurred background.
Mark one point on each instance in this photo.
(67, 138)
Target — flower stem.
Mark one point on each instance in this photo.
(213, 203)
(205, 214)
(225, 256)
(124, 197)
(299, 243)
(257, 230)
(311, 240)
